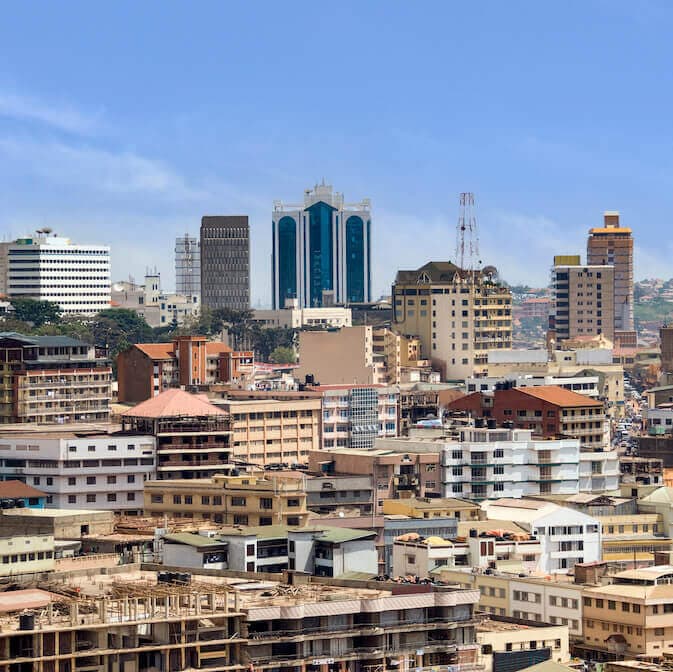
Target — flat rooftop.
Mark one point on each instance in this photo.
(56, 513)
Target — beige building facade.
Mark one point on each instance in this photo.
(267, 431)
(343, 357)
(457, 316)
(583, 300)
(232, 500)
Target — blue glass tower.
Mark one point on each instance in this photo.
(321, 250)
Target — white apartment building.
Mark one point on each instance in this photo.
(354, 416)
(495, 463)
(83, 467)
(567, 536)
(51, 268)
(599, 472)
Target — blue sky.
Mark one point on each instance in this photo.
(123, 123)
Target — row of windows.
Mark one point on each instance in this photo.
(90, 480)
(27, 557)
(46, 251)
(110, 497)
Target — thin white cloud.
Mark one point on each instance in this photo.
(97, 169)
(61, 116)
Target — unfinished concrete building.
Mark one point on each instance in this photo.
(146, 622)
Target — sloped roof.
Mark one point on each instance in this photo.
(157, 350)
(214, 348)
(548, 666)
(662, 495)
(18, 490)
(174, 403)
(436, 271)
(558, 395)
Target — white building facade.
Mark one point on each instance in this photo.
(51, 268)
(494, 463)
(157, 307)
(566, 536)
(100, 471)
(354, 417)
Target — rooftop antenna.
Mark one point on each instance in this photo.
(467, 237)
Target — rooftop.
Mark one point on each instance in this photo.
(18, 490)
(559, 396)
(174, 403)
(57, 513)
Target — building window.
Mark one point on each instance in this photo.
(266, 503)
(238, 501)
(90, 498)
(250, 550)
(157, 499)
(72, 499)
(111, 497)
(91, 480)
(188, 499)
(177, 499)
(240, 519)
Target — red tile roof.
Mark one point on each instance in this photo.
(18, 490)
(214, 348)
(558, 395)
(157, 350)
(174, 403)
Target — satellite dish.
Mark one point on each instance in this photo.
(490, 273)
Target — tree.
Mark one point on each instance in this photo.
(35, 312)
(117, 328)
(283, 355)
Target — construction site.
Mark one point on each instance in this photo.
(147, 621)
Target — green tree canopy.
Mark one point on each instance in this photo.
(283, 355)
(35, 312)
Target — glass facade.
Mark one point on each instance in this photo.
(355, 260)
(364, 420)
(321, 252)
(287, 260)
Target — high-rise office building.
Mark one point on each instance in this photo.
(458, 315)
(47, 267)
(321, 250)
(225, 262)
(187, 266)
(583, 302)
(612, 245)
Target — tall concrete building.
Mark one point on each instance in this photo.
(583, 299)
(225, 262)
(321, 251)
(51, 268)
(612, 245)
(187, 266)
(458, 316)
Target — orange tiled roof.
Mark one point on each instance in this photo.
(18, 490)
(558, 395)
(157, 350)
(214, 348)
(174, 403)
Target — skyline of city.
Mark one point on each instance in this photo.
(546, 142)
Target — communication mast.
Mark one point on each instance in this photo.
(467, 237)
